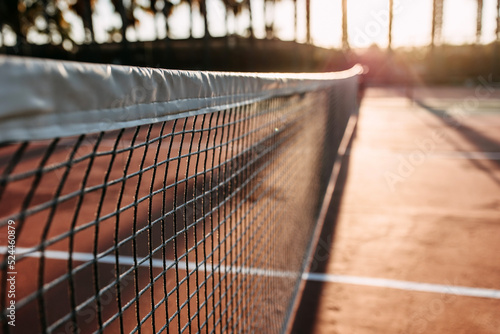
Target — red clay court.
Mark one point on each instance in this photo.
(201, 223)
(411, 243)
(188, 210)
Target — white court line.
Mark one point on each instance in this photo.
(156, 263)
(466, 155)
(355, 280)
(451, 155)
(404, 285)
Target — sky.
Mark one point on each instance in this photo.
(367, 22)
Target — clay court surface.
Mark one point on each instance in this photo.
(187, 213)
(419, 209)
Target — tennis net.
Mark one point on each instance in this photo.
(149, 201)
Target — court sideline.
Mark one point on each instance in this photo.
(410, 244)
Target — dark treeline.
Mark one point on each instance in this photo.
(48, 18)
(443, 64)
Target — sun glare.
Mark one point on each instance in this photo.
(368, 22)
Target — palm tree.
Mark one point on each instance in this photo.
(345, 34)
(479, 20)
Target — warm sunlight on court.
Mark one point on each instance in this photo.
(249, 166)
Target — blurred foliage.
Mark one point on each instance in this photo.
(53, 23)
(443, 64)
(48, 19)
(42, 17)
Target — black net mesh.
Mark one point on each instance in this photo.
(199, 224)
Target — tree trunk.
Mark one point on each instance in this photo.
(249, 2)
(498, 20)
(167, 9)
(152, 6)
(295, 20)
(11, 17)
(345, 33)
(267, 12)
(227, 8)
(88, 19)
(308, 21)
(437, 21)
(190, 4)
(46, 17)
(479, 20)
(204, 12)
(120, 8)
(391, 16)
(433, 31)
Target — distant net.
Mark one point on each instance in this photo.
(196, 223)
